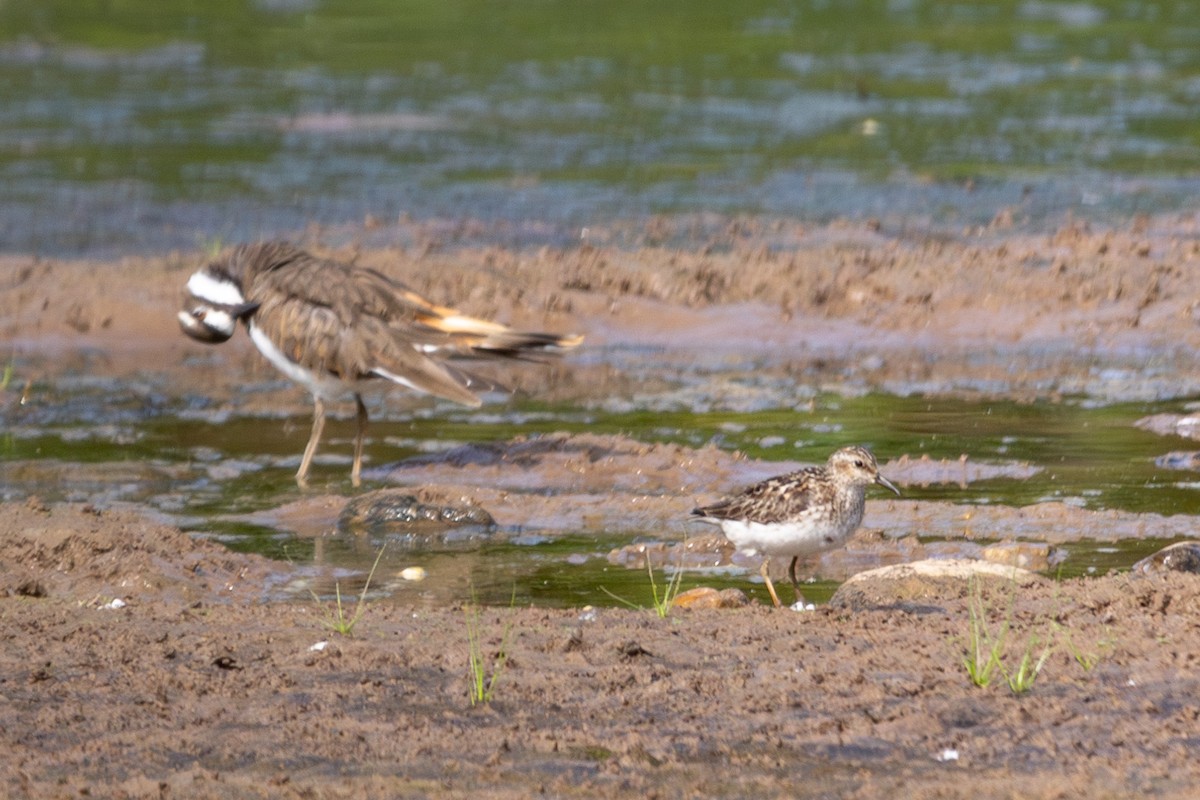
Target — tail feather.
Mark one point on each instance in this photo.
(472, 337)
(517, 344)
(448, 320)
(466, 338)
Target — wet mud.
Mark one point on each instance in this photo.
(143, 661)
(193, 686)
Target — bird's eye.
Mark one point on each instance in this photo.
(198, 314)
(858, 462)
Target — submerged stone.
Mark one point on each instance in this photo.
(1179, 459)
(396, 509)
(1035, 556)
(1179, 557)
(696, 552)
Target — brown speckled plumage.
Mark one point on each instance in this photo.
(801, 513)
(339, 325)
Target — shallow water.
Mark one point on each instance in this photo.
(140, 126)
(209, 471)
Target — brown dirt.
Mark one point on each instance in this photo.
(198, 686)
(993, 311)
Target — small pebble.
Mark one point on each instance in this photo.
(707, 597)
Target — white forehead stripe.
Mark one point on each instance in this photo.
(218, 292)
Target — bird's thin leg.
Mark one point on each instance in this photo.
(314, 437)
(356, 470)
(795, 581)
(767, 579)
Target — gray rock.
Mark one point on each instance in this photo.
(921, 585)
(1179, 557)
(400, 511)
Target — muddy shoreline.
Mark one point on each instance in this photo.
(194, 685)
(1109, 314)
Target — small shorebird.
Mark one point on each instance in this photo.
(331, 327)
(798, 514)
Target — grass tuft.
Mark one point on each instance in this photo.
(336, 617)
(983, 647)
(1022, 679)
(1088, 659)
(663, 599)
(482, 676)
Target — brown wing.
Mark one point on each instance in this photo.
(357, 323)
(776, 499)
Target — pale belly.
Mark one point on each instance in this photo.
(786, 538)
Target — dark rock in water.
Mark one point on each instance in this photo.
(398, 511)
(1179, 557)
(1179, 459)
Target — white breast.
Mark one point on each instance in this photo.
(324, 386)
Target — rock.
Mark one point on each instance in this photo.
(925, 471)
(396, 508)
(1179, 557)
(704, 550)
(1185, 425)
(413, 574)
(417, 522)
(919, 585)
(1179, 459)
(1034, 556)
(708, 597)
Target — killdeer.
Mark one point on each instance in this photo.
(331, 327)
(804, 512)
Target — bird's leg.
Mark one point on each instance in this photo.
(356, 470)
(314, 437)
(767, 579)
(795, 581)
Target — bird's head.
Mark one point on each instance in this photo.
(212, 305)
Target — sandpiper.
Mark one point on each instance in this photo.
(798, 514)
(331, 327)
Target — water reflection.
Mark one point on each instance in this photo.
(143, 126)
